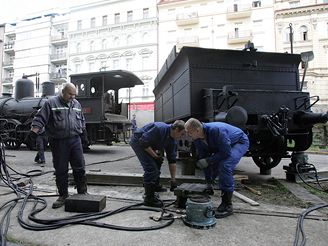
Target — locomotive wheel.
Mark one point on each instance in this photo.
(265, 163)
(12, 141)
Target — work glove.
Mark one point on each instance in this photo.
(30, 139)
(159, 160)
(202, 163)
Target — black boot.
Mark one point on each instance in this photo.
(225, 209)
(81, 185)
(150, 199)
(60, 201)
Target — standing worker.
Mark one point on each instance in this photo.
(145, 142)
(133, 123)
(221, 146)
(63, 120)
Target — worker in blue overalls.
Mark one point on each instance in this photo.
(221, 146)
(157, 136)
(63, 120)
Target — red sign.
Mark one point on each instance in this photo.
(142, 106)
(86, 110)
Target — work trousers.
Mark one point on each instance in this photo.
(64, 151)
(152, 171)
(224, 168)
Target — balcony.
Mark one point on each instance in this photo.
(239, 37)
(8, 64)
(184, 19)
(192, 41)
(9, 47)
(58, 75)
(58, 58)
(59, 39)
(238, 11)
(7, 80)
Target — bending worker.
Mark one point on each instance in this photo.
(145, 142)
(63, 120)
(224, 146)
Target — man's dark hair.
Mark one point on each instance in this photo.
(178, 124)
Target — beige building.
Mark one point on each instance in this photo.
(308, 21)
(214, 24)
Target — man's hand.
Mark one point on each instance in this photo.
(30, 139)
(159, 160)
(202, 163)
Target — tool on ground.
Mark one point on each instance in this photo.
(85, 203)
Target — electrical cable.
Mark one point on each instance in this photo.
(300, 224)
(298, 165)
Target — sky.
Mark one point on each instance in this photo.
(10, 10)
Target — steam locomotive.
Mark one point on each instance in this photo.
(97, 92)
(260, 92)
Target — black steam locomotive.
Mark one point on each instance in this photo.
(259, 92)
(106, 120)
(16, 113)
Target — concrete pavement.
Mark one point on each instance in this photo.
(245, 227)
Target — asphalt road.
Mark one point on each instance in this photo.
(261, 225)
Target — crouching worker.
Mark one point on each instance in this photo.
(225, 145)
(145, 142)
(63, 120)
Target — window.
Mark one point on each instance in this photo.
(145, 13)
(129, 16)
(294, 4)
(116, 41)
(93, 22)
(129, 64)
(129, 40)
(104, 20)
(104, 44)
(145, 91)
(77, 67)
(256, 4)
(116, 63)
(145, 37)
(117, 18)
(103, 66)
(236, 32)
(92, 46)
(79, 25)
(78, 47)
(91, 66)
(145, 62)
(287, 34)
(304, 33)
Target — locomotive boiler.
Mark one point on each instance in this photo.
(260, 92)
(16, 113)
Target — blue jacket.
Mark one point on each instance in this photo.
(157, 136)
(220, 137)
(61, 120)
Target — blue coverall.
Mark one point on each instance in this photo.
(63, 123)
(157, 136)
(223, 147)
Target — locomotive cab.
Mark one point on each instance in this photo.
(105, 116)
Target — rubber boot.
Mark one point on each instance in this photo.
(173, 185)
(150, 199)
(63, 194)
(225, 209)
(81, 185)
(60, 201)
